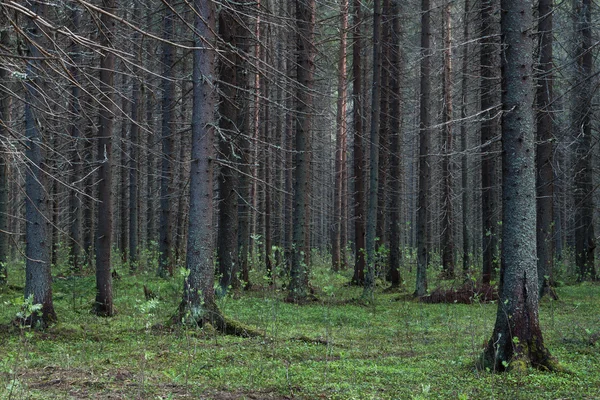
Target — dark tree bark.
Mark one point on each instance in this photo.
(585, 243)
(305, 23)
(373, 154)
(123, 244)
(360, 208)
(227, 253)
(489, 132)
(517, 338)
(447, 109)
(337, 260)
(424, 146)
(38, 279)
(75, 203)
(466, 199)
(545, 149)
(198, 304)
(165, 260)
(4, 188)
(104, 295)
(395, 150)
(134, 154)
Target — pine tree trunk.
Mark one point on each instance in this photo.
(466, 200)
(4, 183)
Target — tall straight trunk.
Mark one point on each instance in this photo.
(517, 338)
(38, 279)
(289, 137)
(165, 260)
(268, 168)
(89, 204)
(124, 176)
(374, 154)
(198, 304)
(545, 150)
(134, 154)
(305, 23)
(104, 295)
(227, 254)
(466, 200)
(4, 187)
(396, 69)
(424, 145)
(447, 209)
(384, 125)
(75, 203)
(360, 207)
(585, 243)
(489, 131)
(337, 260)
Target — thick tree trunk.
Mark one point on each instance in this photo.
(104, 295)
(165, 260)
(466, 199)
(360, 208)
(374, 154)
(305, 20)
(447, 206)
(198, 305)
(337, 260)
(544, 151)
(489, 132)
(395, 258)
(585, 243)
(517, 338)
(38, 280)
(424, 147)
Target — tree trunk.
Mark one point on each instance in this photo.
(395, 258)
(517, 338)
(585, 244)
(198, 304)
(359, 184)
(165, 260)
(447, 208)
(227, 254)
(466, 200)
(337, 260)
(38, 279)
(424, 146)
(104, 295)
(489, 133)
(4, 188)
(545, 149)
(373, 154)
(305, 22)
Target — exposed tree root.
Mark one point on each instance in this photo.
(212, 316)
(466, 294)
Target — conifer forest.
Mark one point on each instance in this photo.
(299, 199)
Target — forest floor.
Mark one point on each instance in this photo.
(334, 348)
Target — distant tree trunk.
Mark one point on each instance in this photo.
(466, 201)
(4, 187)
(585, 243)
(227, 253)
(544, 152)
(517, 338)
(134, 154)
(104, 295)
(489, 133)
(340, 144)
(395, 258)
(165, 260)
(360, 208)
(305, 22)
(75, 203)
(373, 154)
(198, 305)
(424, 146)
(38, 279)
(447, 208)
(124, 176)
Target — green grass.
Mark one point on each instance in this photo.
(393, 349)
